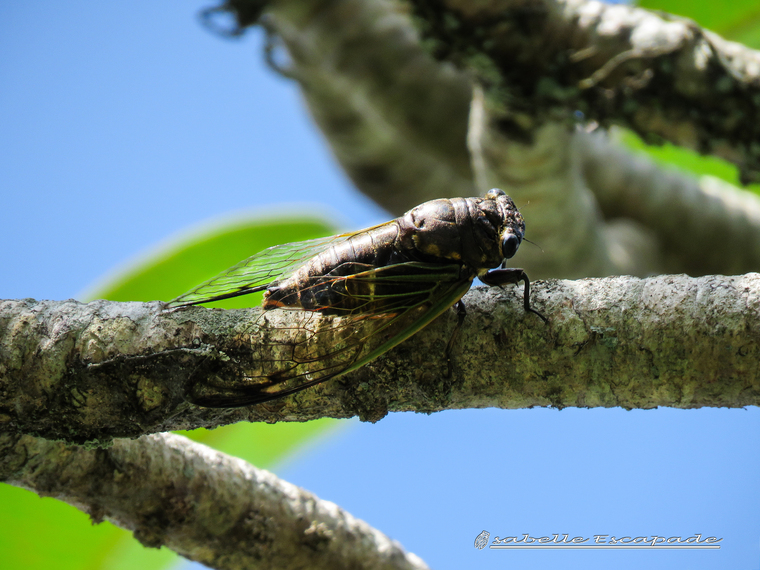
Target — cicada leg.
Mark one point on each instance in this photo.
(461, 314)
(499, 277)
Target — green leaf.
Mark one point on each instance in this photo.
(45, 533)
(671, 155)
(738, 20)
(178, 268)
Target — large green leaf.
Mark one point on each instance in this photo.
(70, 541)
(738, 20)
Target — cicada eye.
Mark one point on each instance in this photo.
(494, 193)
(509, 245)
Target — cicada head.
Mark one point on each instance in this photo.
(502, 214)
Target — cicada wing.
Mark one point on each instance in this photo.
(256, 272)
(289, 351)
(293, 350)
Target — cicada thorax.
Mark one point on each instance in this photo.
(462, 230)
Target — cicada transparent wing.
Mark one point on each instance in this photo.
(293, 350)
(256, 272)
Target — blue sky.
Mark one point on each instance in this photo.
(123, 124)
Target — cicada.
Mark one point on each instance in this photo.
(359, 294)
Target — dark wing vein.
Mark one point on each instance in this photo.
(258, 271)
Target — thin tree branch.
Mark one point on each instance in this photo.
(102, 370)
(203, 504)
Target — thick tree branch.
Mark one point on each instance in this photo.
(102, 370)
(545, 175)
(660, 75)
(203, 504)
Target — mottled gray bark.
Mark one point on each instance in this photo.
(102, 370)
(397, 120)
(660, 75)
(546, 176)
(203, 504)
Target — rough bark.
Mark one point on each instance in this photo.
(201, 503)
(545, 175)
(390, 112)
(658, 74)
(103, 370)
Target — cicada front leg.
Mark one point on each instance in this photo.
(500, 277)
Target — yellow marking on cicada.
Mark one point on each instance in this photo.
(433, 249)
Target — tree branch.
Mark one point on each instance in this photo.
(545, 175)
(203, 504)
(702, 225)
(659, 75)
(391, 113)
(102, 370)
